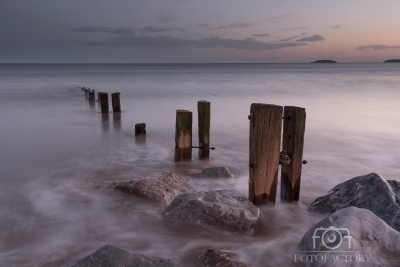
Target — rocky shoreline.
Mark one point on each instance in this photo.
(361, 228)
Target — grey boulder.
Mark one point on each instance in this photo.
(225, 209)
(218, 258)
(370, 191)
(159, 187)
(215, 172)
(349, 237)
(111, 256)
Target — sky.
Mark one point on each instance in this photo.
(198, 31)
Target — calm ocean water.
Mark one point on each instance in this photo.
(57, 150)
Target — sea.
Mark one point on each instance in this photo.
(58, 151)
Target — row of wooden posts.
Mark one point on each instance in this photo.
(140, 128)
(265, 144)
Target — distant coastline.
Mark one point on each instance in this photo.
(392, 61)
(324, 61)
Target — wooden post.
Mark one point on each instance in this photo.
(293, 142)
(116, 105)
(265, 139)
(91, 95)
(104, 102)
(87, 93)
(140, 129)
(98, 96)
(183, 134)
(203, 109)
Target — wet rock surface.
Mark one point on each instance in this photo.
(215, 172)
(111, 256)
(225, 209)
(370, 191)
(350, 237)
(159, 187)
(217, 258)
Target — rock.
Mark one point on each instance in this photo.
(225, 209)
(159, 187)
(362, 239)
(371, 192)
(216, 172)
(111, 256)
(218, 258)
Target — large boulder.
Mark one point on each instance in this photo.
(217, 258)
(159, 187)
(111, 256)
(225, 209)
(349, 237)
(215, 172)
(370, 191)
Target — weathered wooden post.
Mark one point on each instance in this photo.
(116, 105)
(140, 129)
(183, 134)
(87, 90)
(91, 95)
(293, 142)
(104, 102)
(265, 139)
(203, 110)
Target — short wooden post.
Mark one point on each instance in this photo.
(87, 93)
(183, 134)
(140, 129)
(98, 96)
(116, 105)
(91, 95)
(265, 139)
(294, 125)
(104, 102)
(203, 110)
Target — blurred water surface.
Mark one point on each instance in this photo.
(56, 151)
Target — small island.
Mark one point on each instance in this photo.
(392, 61)
(324, 61)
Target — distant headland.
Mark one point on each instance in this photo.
(324, 61)
(392, 61)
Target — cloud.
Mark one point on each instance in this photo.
(237, 25)
(314, 38)
(378, 47)
(261, 35)
(336, 27)
(121, 31)
(169, 42)
(288, 39)
(124, 31)
(152, 29)
(295, 29)
(167, 18)
(277, 17)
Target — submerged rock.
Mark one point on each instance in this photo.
(216, 172)
(350, 237)
(225, 209)
(218, 258)
(159, 187)
(111, 256)
(370, 191)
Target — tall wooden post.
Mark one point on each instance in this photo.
(183, 134)
(116, 105)
(203, 109)
(104, 102)
(265, 139)
(293, 142)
